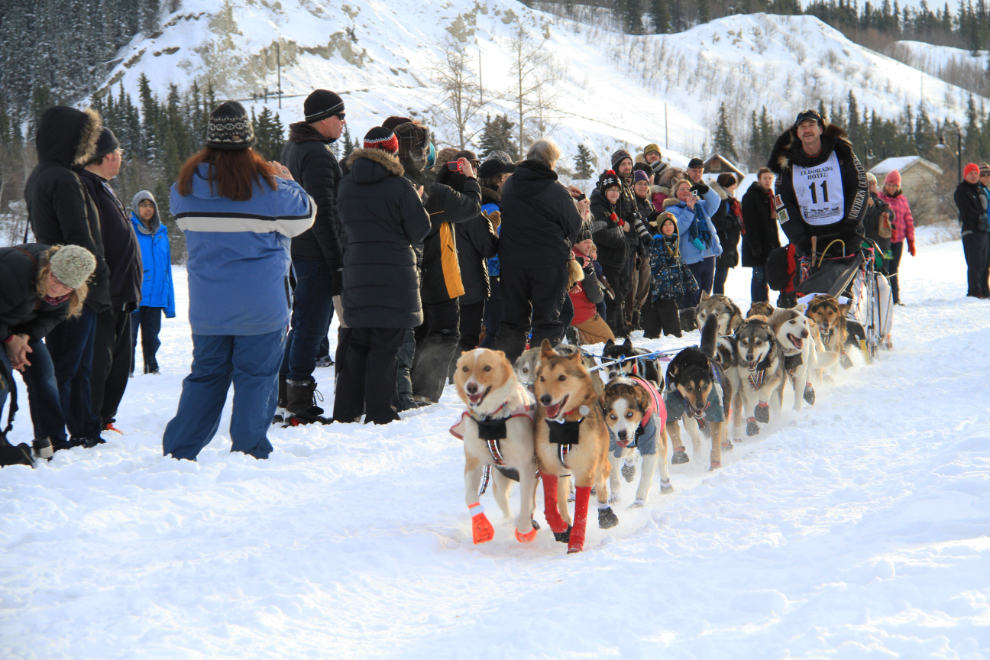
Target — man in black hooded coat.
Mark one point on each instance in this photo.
(61, 212)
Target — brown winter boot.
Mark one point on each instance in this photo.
(301, 405)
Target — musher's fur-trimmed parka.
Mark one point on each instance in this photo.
(787, 152)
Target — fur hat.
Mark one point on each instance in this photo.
(414, 146)
(608, 179)
(893, 177)
(229, 128)
(382, 138)
(971, 167)
(72, 265)
(471, 158)
(322, 103)
(652, 147)
(620, 156)
(871, 178)
(394, 122)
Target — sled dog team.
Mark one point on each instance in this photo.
(584, 430)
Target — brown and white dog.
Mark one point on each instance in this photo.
(497, 429)
(571, 439)
(830, 317)
(637, 422)
(721, 307)
(760, 309)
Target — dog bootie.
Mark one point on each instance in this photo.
(606, 518)
(576, 541)
(763, 413)
(529, 537)
(726, 445)
(550, 511)
(665, 487)
(809, 393)
(628, 471)
(845, 361)
(563, 537)
(752, 428)
(481, 529)
(638, 504)
(680, 456)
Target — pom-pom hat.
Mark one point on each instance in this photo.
(608, 179)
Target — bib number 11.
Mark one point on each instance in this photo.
(814, 195)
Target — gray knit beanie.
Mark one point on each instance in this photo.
(72, 265)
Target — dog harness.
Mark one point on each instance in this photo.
(645, 438)
(792, 362)
(756, 379)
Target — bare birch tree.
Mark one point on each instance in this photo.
(533, 74)
(458, 113)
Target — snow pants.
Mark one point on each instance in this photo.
(251, 363)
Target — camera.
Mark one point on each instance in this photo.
(455, 166)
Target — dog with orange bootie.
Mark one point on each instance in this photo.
(497, 430)
(571, 441)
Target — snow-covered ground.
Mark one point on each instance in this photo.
(855, 529)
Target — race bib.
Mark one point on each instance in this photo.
(819, 192)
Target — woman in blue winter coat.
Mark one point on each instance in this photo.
(693, 206)
(238, 213)
(157, 292)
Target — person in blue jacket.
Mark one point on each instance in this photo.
(238, 214)
(157, 292)
(693, 205)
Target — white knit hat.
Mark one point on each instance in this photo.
(72, 265)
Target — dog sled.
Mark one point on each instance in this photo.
(846, 272)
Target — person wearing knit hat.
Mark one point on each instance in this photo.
(651, 153)
(382, 138)
(383, 218)
(902, 228)
(672, 280)
(608, 179)
(239, 261)
(973, 201)
(871, 178)
(610, 231)
(157, 289)
(41, 287)
(112, 341)
(229, 128)
(500, 156)
(317, 254)
(620, 155)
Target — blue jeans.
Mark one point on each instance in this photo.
(251, 363)
(70, 344)
(704, 274)
(149, 321)
(312, 309)
(758, 291)
(42, 392)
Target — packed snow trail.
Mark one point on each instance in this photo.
(857, 528)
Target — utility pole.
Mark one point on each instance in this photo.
(481, 82)
(666, 133)
(278, 65)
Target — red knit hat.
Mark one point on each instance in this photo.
(893, 177)
(971, 167)
(382, 138)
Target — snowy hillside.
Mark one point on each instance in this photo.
(612, 89)
(857, 529)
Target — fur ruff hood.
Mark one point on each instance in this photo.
(389, 162)
(670, 201)
(787, 149)
(713, 184)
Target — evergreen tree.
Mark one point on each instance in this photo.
(704, 13)
(660, 13)
(973, 142)
(349, 145)
(584, 163)
(268, 132)
(497, 136)
(725, 144)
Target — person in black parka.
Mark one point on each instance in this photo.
(454, 197)
(61, 212)
(761, 237)
(39, 288)
(972, 201)
(728, 226)
(609, 231)
(112, 342)
(540, 224)
(383, 225)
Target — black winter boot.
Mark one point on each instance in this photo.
(301, 407)
(283, 400)
(636, 316)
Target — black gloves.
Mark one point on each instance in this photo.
(700, 188)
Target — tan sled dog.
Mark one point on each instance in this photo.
(497, 430)
(571, 439)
